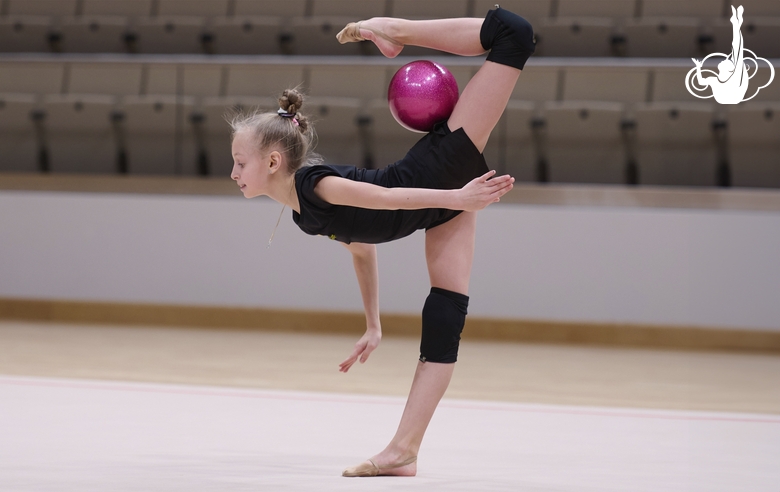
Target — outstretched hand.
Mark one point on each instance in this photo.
(363, 349)
(482, 191)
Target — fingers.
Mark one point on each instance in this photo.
(498, 186)
(490, 180)
(499, 193)
(483, 191)
(362, 350)
(502, 183)
(502, 180)
(507, 186)
(490, 175)
(344, 366)
(486, 176)
(499, 181)
(369, 348)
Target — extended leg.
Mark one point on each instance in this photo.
(457, 36)
(510, 39)
(483, 101)
(508, 36)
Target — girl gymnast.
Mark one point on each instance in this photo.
(438, 186)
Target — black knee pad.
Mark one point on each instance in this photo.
(509, 37)
(443, 317)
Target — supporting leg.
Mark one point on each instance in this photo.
(430, 382)
(449, 251)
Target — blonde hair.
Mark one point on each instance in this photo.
(291, 131)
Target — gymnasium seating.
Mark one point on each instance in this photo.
(24, 33)
(92, 34)
(753, 137)
(248, 35)
(79, 133)
(135, 8)
(623, 117)
(338, 129)
(170, 34)
(583, 138)
(661, 37)
(675, 141)
(581, 115)
(154, 133)
(518, 145)
(349, 8)
(18, 138)
(633, 28)
(40, 7)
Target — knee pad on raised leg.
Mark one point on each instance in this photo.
(509, 37)
(443, 317)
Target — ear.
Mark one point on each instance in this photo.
(274, 161)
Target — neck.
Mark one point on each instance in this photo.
(283, 191)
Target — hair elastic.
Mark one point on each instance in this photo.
(285, 114)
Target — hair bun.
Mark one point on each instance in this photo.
(291, 101)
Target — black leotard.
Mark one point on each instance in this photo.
(442, 159)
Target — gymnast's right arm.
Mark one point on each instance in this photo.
(475, 195)
(365, 263)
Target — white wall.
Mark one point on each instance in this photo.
(709, 268)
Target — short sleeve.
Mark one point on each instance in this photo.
(317, 217)
(306, 179)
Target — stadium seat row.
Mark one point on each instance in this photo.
(531, 9)
(576, 141)
(315, 35)
(619, 81)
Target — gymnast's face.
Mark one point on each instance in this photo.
(250, 166)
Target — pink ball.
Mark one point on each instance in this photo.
(421, 94)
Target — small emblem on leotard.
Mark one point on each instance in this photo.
(730, 84)
(332, 236)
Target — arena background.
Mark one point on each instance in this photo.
(642, 216)
(673, 219)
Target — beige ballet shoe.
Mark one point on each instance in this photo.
(351, 34)
(370, 469)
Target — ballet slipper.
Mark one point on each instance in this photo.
(351, 34)
(370, 469)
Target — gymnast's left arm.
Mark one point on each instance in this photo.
(364, 260)
(475, 195)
